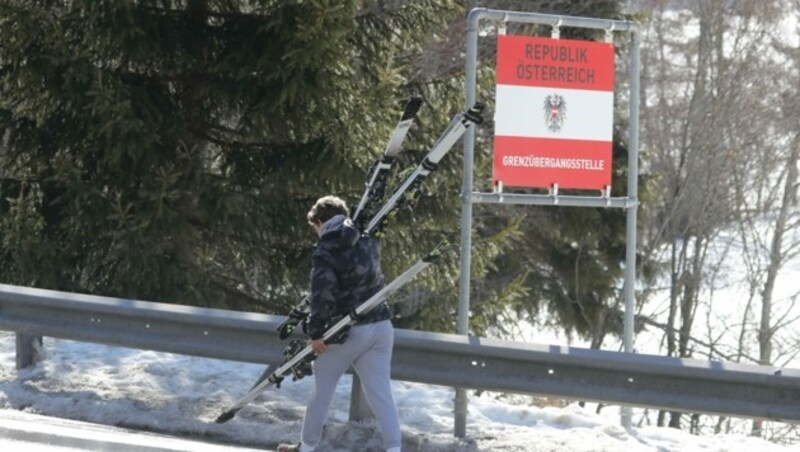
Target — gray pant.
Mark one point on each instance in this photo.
(369, 349)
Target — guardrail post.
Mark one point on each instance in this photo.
(27, 350)
(359, 408)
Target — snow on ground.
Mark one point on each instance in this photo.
(182, 395)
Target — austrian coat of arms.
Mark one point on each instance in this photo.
(555, 112)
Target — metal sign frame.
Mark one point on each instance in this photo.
(468, 196)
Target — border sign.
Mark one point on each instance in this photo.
(554, 113)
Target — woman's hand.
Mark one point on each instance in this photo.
(318, 346)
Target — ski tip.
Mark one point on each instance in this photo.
(225, 417)
(411, 108)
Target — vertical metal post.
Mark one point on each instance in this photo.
(462, 326)
(359, 408)
(633, 189)
(26, 345)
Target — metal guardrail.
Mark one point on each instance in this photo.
(442, 359)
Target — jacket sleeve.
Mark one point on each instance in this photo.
(323, 300)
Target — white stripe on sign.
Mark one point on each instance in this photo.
(520, 112)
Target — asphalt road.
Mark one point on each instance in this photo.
(26, 432)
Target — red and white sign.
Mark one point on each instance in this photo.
(554, 113)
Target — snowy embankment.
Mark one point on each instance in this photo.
(181, 395)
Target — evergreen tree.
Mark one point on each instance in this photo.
(168, 150)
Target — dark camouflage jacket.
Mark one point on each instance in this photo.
(345, 271)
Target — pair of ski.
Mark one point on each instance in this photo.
(405, 195)
(274, 378)
(371, 223)
(374, 192)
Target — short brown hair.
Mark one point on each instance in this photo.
(326, 208)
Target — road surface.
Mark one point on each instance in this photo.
(26, 432)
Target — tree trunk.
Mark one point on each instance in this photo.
(766, 330)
